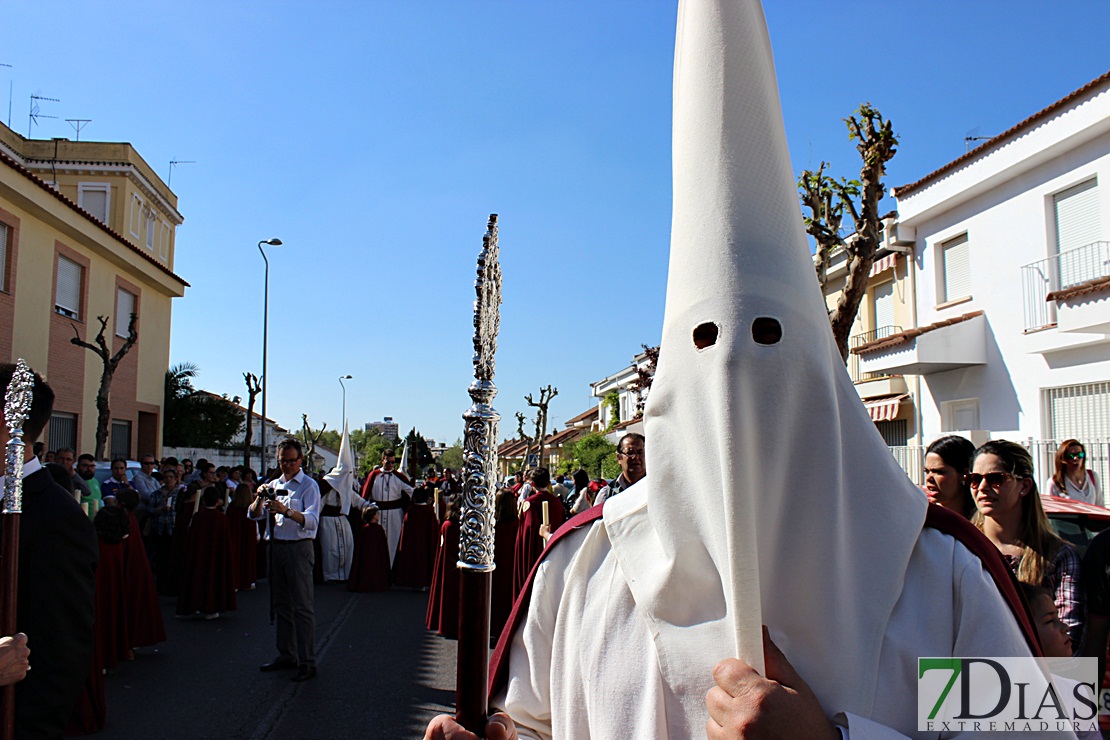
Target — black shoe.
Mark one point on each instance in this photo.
(278, 664)
(305, 672)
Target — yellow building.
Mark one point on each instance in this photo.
(887, 310)
(87, 230)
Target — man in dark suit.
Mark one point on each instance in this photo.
(57, 562)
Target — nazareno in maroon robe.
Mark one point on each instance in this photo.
(443, 601)
(111, 599)
(529, 544)
(143, 611)
(370, 565)
(415, 562)
(504, 555)
(208, 581)
(244, 546)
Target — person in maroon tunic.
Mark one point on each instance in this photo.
(443, 601)
(504, 555)
(244, 538)
(416, 552)
(111, 605)
(529, 541)
(208, 581)
(370, 567)
(142, 610)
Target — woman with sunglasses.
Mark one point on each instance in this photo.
(1072, 479)
(946, 465)
(1010, 514)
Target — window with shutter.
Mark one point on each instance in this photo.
(884, 309)
(125, 306)
(67, 291)
(4, 231)
(1082, 412)
(94, 199)
(136, 215)
(1078, 225)
(956, 269)
(63, 431)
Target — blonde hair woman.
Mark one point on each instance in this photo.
(1072, 479)
(1009, 513)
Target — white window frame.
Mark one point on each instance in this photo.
(5, 252)
(164, 243)
(949, 410)
(73, 312)
(944, 295)
(151, 222)
(888, 285)
(136, 218)
(123, 318)
(96, 187)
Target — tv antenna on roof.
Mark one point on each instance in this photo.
(34, 116)
(973, 135)
(10, 83)
(78, 124)
(175, 162)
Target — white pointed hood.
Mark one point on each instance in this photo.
(770, 497)
(342, 476)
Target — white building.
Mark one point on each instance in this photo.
(629, 398)
(1012, 266)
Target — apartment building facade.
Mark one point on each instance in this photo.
(87, 229)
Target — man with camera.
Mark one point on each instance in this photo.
(293, 500)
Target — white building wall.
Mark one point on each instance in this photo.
(1010, 224)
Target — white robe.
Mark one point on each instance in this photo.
(583, 663)
(390, 487)
(337, 543)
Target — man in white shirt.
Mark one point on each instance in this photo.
(294, 501)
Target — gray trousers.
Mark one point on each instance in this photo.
(291, 582)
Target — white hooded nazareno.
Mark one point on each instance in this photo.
(770, 498)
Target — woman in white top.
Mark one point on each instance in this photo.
(1072, 479)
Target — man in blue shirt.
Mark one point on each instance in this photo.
(294, 502)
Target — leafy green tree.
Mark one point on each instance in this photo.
(195, 418)
(420, 456)
(596, 455)
(453, 456)
(613, 401)
(368, 446)
(328, 438)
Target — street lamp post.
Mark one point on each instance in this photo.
(265, 333)
(341, 379)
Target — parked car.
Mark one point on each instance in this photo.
(1075, 521)
(104, 469)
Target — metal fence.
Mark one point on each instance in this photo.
(912, 460)
(1064, 270)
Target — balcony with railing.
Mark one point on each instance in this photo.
(1047, 282)
(873, 384)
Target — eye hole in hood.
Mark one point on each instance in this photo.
(705, 335)
(766, 330)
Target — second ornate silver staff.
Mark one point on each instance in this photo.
(479, 488)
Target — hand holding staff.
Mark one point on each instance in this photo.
(17, 404)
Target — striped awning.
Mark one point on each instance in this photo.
(881, 265)
(886, 408)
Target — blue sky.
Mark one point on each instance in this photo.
(374, 138)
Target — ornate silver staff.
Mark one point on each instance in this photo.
(17, 403)
(479, 470)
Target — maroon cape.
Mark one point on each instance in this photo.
(244, 546)
(529, 544)
(370, 566)
(504, 555)
(111, 604)
(90, 713)
(183, 516)
(143, 612)
(936, 517)
(208, 580)
(415, 562)
(443, 601)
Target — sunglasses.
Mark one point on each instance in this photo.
(994, 480)
(1074, 455)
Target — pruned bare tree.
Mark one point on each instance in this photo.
(829, 200)
(254, 387)
(310, 438)
(109, 361)
(644, 375)
(546, 394)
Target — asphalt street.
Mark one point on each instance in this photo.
(381, 674)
